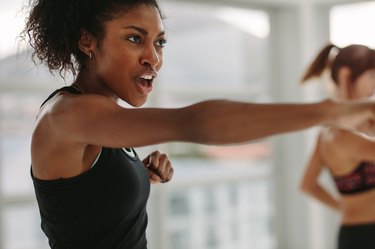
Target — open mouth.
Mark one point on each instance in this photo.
(145, 82)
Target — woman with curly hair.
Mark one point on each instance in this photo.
(91, 187)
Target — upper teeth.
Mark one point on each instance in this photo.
(146, 77)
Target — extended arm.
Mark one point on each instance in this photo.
(92, 119)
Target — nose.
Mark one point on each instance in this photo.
(151, 57)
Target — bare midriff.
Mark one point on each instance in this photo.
(358, 208)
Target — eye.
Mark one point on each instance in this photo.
(135, 39)
(161, 43)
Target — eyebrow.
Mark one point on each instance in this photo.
(142, 31)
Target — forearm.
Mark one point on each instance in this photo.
(323, 196)
(222, 122)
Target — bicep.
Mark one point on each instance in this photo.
(98, 121)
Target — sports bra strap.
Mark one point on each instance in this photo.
(70, 89)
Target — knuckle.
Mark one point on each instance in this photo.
(156, 152)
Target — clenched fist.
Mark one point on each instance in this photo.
(159, 167)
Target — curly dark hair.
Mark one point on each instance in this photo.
(54, 27)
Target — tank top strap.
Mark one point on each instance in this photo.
(70, 89)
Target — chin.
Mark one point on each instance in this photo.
(135, 101)
(138, 103)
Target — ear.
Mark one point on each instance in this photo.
(344, 82)
(86, 43)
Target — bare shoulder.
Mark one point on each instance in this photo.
(340, 135)
(54, 146)
(65, 110)
(336, 135)
(74, 104)
(347, 145)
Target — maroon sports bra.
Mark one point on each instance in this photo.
(359, 180)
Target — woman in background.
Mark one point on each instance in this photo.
(348, 155)
(91, 192)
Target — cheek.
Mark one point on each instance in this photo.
(366, 88)
(113, 65)
(161, 58)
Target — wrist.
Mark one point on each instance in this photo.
(351, 113)
(332, 110)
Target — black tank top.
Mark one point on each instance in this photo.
(102, 208)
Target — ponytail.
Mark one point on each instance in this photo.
(319, 64)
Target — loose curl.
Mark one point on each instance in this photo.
(54, 27)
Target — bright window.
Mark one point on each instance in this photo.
(353, 23)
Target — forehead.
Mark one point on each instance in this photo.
(143, 16)
(366, 78)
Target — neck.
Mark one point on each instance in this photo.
(78, 87)
(86, 83)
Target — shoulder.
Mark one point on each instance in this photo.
(347, 143)
(66, 107)
(66, 102)
(339, 135)
(65, 112)
(335, 141)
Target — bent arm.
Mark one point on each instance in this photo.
(310, 182)
(96, 120)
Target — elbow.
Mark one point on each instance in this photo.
(303, 188)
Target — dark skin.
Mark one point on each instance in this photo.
(119, 50)
(71, 129)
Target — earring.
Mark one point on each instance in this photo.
(90, 55)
